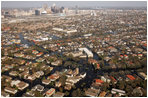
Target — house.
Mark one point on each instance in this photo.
(99, 52)
(31, 93)
(39, 54)
(69, 71)
(50, 92)
(76, 54)
(13, 73)
(67, 87)
(92, 61)
(22, 85)
(22, 62)
(74, 79)
(15, 82)
(130, 77)
(56, 63)
(83, 56)
(53, 77)
(44, 91)
(126, 56)
(22, 68)
(118, 91)
(40, 60)
(39, 87)
(69, 83)
(10, 90)
(105, 79)
(138, 90)
(107, 58)
(24, 74)
(142, 75)
(113, 79)
(35, 52)
(18, 55)
(26, 95)
(83, 74)
(58, 94)
(46, 81)
(88, 52)
(92, 92)
(7, 78)
(37, 75)
(31, 77)
(98, 81)
(95, 86)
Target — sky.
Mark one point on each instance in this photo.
(27, 4)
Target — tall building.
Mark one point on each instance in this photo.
(76, 9)
(53, 8)
(61, 9)
(37, 12)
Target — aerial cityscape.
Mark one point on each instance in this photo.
(74, 49)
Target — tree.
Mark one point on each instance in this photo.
(66, 93)
(63, 79)
(128, 89)
(105, 86)
(121, 85)
(44, 78)
(27, 90)
(61, 89)
(67, 63)
(77, 93)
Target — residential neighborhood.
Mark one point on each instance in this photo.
(55, 51)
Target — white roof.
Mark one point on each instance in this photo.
(44, 12)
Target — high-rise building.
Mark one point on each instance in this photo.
(37, 12)
(76, 9)
(53, 8)
(61, 9)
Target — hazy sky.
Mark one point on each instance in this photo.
(26, 4)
